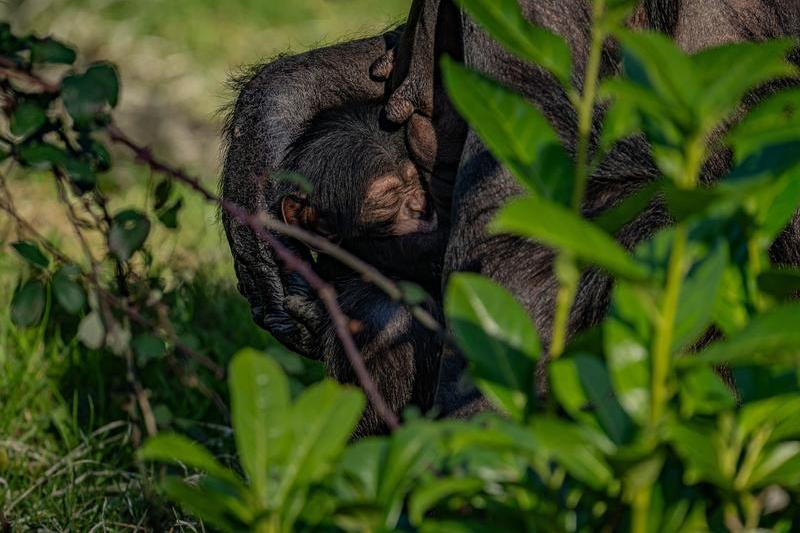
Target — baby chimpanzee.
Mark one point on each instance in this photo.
(371, 199)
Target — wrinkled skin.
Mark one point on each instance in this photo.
(469, 185)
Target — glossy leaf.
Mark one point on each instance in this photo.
(774, 121)
(259, 408)
(323, 420)
(497, 337)
(169, 215)
(179, 450)
(87, 96)
(67, 291)
(201, 503)
(780, 465)
(560, 228)
(128, 233)
(572, 447)
(28, 304)
(770, 338)
(627, 337)
(616, 218)
(698, 298)
(49, 50)
(31, 252)
(27, 119)
(703, 392)
(728, 72)
(42, 155)
(514, 130)
(582, 385)
(696, 445)
(432, 493)
(504, 20)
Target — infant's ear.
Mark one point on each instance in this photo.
(297, 212)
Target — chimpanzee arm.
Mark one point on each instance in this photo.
(271, 110)
(400, 354)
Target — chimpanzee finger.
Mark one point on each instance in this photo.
(383, 67)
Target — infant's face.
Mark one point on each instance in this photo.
(397, 204)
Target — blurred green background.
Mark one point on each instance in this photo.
(62, 466)
(175, 57)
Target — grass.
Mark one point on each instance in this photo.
(67, 427)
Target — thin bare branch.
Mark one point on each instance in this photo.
(324, 290)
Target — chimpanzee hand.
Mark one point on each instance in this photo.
(409, 65)
(273, 107)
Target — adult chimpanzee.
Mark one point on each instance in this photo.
(276, 104)
(369, 197)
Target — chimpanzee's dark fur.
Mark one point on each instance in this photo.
(340, 152)
(273, 106)
(276, 104)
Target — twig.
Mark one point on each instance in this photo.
(326, 292)
(10, 70)
(7, 206)
(111, 326)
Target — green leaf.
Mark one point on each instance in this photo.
(430, 494)
(148, 348)
(497, 337)
(582, 385)
(574, 448)
(654, 62)
(204, 504)
(259, 412)
(28, 117)
(514, 130)
(774, 121)
(616, 218)
(80, 173)
(776, 214)
(779, 413)
(67, 291)
(698, 297)
(161, 193)
(727, 73)
(780, 465)
(504, 20)
(695, 444)
(30, 251)
(703, 392)
(179, 450)
(782, 283)
(28, 303)
(87, 96)
(730, 311)
(48, 50)
(169, 215)
(91, 331)
(129, 231)
(627, 335)
(42, 155)
(770, 338)
(560, 228)
(323, 420)
(619, 122)
(411, 452)
(413, 293)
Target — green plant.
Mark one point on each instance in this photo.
(640, 432)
